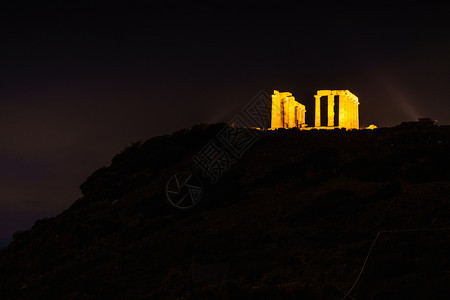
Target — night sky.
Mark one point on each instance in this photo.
(80, 82)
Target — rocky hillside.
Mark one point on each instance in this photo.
(295, 218)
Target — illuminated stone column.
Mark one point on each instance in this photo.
(302, 115)
(347, 112)
(288, 117)
(317, 119)
(350, 113)
(277, 119)
(343, 110)
(357, 115)
(355, 107)
(355, 112)
(292, 104)
(283, 108)
(330, 110)
(286, 112)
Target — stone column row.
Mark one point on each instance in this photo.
(286, 112)
(331, 112)
(330, 106)
(348, 109)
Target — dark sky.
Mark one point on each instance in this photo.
(80, 82)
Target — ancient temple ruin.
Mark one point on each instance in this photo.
(286, 112)
(333, 109)
(346, 106)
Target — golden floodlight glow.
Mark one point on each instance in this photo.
(288, 113)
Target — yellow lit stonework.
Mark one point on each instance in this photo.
(348, 109)
(286, 112)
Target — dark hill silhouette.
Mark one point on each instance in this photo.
(294, 218)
